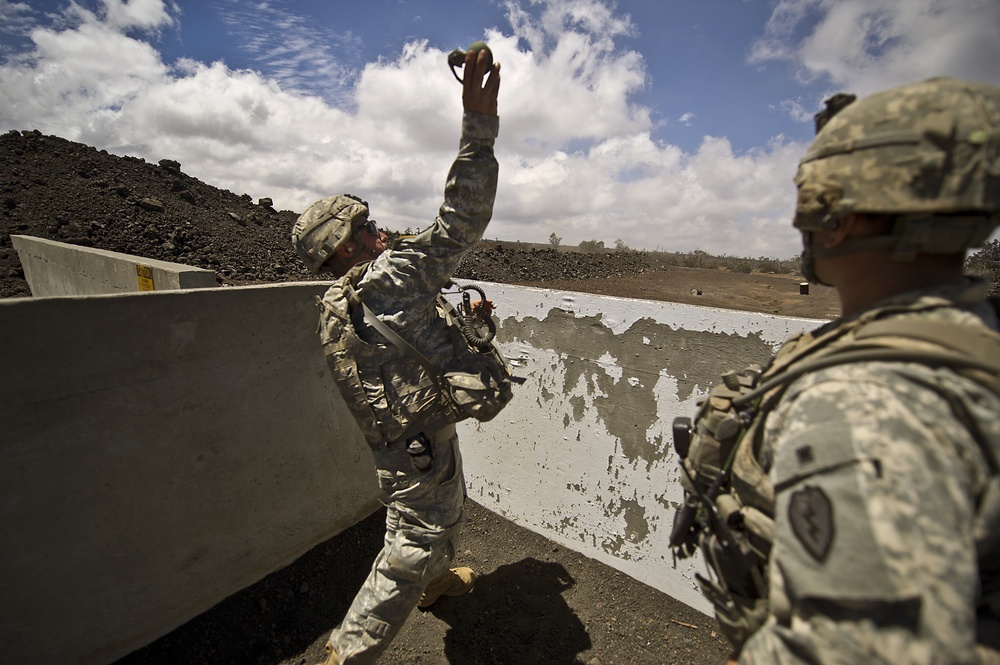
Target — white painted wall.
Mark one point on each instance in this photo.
(584, 454)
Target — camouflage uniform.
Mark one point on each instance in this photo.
(879, 493)
(424, 507)
(847, 499)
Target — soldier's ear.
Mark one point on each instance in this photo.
(841, 229)
(346, 248)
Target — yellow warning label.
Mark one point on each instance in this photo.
(145, 274)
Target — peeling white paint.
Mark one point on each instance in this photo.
(584, 452)
(620, 313)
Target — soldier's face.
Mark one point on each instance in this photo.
(371, 238)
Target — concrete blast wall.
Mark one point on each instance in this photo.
(584, 453)
(161, 451)
(58, 269)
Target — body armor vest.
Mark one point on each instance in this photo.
(392, 389)
(728, 512)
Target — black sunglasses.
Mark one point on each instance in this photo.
(369, 225)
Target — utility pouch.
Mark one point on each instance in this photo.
(739, 617)
(713, 519)
(420, 451)
(718, 427)
(481, 391)
(478, 383)
(705, 450)
(393, 390)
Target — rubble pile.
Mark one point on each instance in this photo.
(70, 192)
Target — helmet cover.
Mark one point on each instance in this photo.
(324, 226)
(929, 152)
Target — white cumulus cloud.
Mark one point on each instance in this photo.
(577, 153)
(863, 46)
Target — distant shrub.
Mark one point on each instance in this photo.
(588, 246)
(742, 266)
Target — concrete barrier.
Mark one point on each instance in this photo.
(59, 269)
(584, 453)
(159, 452)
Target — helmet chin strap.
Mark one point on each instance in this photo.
(809, 260)
(853, 245)
(813, 250)
(916, 234)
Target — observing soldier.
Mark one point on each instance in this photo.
(847, 498)
(389, 337)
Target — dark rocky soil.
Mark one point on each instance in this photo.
(535, 602)
(61, 190)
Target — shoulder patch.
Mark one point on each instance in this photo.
(811, 516)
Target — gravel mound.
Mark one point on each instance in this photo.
(62, 190)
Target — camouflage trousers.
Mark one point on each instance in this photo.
(421, 529)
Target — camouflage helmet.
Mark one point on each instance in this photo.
(926, 153)
(324, 227)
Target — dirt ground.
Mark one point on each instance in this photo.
(769, 294)
(535, 602)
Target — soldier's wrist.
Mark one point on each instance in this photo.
(479, 126)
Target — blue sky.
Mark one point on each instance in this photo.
(672, 125)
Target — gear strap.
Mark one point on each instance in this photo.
(401, 344)
(972, 348)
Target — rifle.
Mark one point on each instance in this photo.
(732, 561)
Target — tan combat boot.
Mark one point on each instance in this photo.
(454, 582)
(331, 656)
